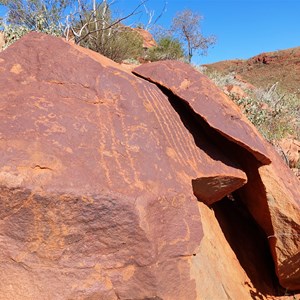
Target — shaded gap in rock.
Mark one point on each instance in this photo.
(250, 245)
(211, 141)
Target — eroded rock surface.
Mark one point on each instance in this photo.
(272, 193)
(215, 108)
(98, 172)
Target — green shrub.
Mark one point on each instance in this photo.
(219, 79)
(282, 113)
(119, 43)
(166, 49)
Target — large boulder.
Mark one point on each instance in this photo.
(100, 172)
(272, 193)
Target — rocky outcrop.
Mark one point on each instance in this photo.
(148, 40)
(265, 69)
(98, 175)
(236, 91)
(272, 194)
(209, 104)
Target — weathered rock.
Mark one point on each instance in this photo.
(236, 91)
(148, 40)
(272, 193)
(272, 197)
(291, 151)
(245, 84)
(95, 175)
(208, 102)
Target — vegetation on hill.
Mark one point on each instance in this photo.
(266, 69)
(274, 112)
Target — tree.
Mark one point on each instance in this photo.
(186, 25)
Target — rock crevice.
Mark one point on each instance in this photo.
(189, 97)
(117, 217)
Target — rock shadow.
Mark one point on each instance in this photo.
(250, 245)
(204, 135)
(246, 238)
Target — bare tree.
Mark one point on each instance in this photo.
(151, 14)
(186, 25)
(90, 19)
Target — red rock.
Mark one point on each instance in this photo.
(291, 150)
(239, 78)
(236, 91)
(272, 193)
(148, 40)
(272, 197)
(209, 103)
(246, 85)
(96, 172)
(263, 58)
(96, 191)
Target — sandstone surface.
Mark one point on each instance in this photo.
(291, 150)
(98, 175)
(209, 103)
(148, 40)
(96, 170)
(236, 91)
(272, 193)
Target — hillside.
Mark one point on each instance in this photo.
(266, 69)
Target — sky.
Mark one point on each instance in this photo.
(244, 28)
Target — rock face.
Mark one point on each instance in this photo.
(236, 91)
(148, 40)
(272, 194)
(214, 108)
(99, 170)
(290, 149)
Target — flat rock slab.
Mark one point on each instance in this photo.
(272, 192)
(207, 101)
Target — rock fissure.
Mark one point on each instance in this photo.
(249, 243)
(239, 156)
(206, 188)
(85, 213)
(42, 168)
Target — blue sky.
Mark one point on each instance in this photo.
(243, 28)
